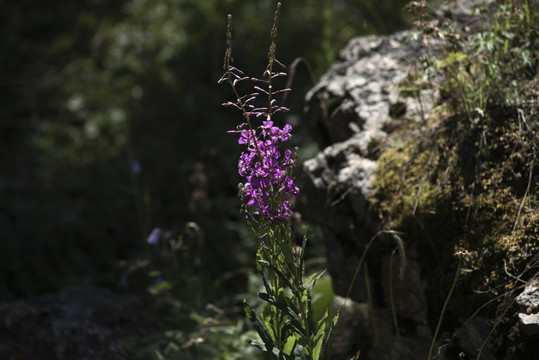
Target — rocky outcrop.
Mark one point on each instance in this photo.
(387, 310)
(528, 302)
(351, 110)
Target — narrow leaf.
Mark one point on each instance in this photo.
(289, 344)
(318, 338)
(287, 309)
(312, 279)
(325, 347)
(259, 326)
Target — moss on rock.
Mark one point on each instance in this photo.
(467, 187)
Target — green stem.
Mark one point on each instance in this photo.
(371, 303)
(443, 312)
(391, 298)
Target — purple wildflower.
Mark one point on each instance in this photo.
(153, 238)
(268, 186)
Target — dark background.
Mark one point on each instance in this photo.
(111, 125)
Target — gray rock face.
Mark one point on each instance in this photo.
(359, 96)
(528, 301)
(350, 110)
(371, 332)
(468, 342)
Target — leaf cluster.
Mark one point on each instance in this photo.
(287, 327)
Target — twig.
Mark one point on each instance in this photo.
(525, 194)
(416, 203)
(443, 312)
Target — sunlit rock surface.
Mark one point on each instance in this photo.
(350, 110)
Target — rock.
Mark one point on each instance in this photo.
(528, 302)
(350, 109)
(408, 289)
(352, 331)
(352, 112)
(359, 95)
(370, 331)
(75, 323)
(469, 342)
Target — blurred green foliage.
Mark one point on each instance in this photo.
(111, 125)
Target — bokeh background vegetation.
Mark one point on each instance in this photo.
(111, 125)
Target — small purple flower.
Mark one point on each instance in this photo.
(245, 137)
(136, 168)
(268, 184)
(153, 238)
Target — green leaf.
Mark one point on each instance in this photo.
(290, 327)
(318, 342)
(259, 326)
(287, 309)
(452, 58)
(309, 279)
(325, 347)
(318, 338)
(258, 344)
(283, 278)
(289, 344)
(263, 262)
(276, 352)
(259, 257)
(313, 279)
(281, 355)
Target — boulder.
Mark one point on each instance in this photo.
(77, 322)
(350, 110)
(528, 302)
(352, 114)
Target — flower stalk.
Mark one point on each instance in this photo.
(286, 326)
